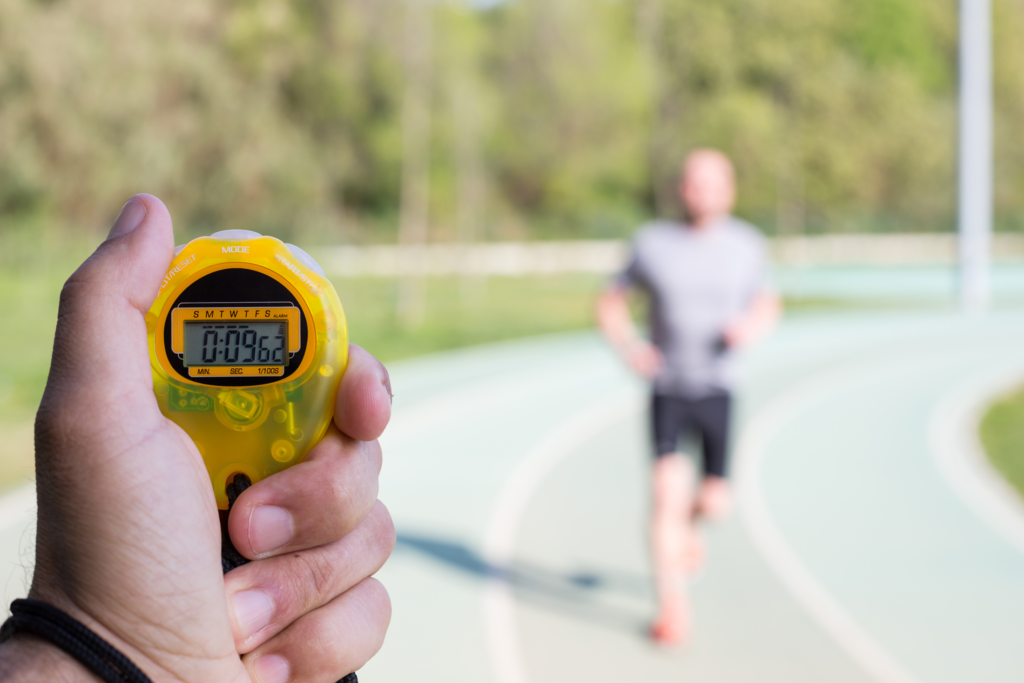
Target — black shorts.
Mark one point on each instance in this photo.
(705, 418)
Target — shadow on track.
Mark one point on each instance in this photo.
(615, 600)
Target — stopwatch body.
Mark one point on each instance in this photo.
(248, 344)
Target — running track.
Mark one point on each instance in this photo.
(871, 543)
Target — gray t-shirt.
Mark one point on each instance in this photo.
(699, 281)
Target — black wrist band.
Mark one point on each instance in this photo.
(73, 637)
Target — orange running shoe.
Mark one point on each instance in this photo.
(672, 627)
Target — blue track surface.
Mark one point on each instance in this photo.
(517, 477)
(847, 478)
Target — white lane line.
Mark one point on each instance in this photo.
(769, 540)
(956, 448)
(499, 541)
(463, 402)
(499, 602)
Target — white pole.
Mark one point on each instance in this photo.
(975, 152)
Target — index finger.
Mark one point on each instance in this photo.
(362, 407)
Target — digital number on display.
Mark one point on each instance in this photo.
(243, 344)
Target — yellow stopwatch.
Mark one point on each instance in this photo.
(248, 343)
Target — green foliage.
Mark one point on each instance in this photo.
(568, 151)
(286, 117)
(1002, 434)
(821, 105)
(902, 34)
(1007, 28)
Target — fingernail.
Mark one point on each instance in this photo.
(270, 527)
(131, 215)
(387, 385)
(272, 669)
(253, 610)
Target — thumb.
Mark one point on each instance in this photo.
(133, 260)
(100, 356)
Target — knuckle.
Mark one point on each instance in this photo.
(372, 457)
(59, 419)
(339, 493)
(312, 579)
(348, 443)
(50, 426)
(82, 287)
(384, 536)
(74, 288)
(375, 453)
(323, 641)
(352, 484)
(378, 600)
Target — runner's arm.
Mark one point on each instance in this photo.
(616, 323)
(758, 320)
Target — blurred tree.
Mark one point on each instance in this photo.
(543, 118)
(335, 72)
(467, 117)
(416, 133)
(663, 108)
(569, 148)
(1008, 87)
(818, 129)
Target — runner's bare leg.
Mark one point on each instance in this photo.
(671, 537)
(714, 498)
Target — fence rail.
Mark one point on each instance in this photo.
(603, 257)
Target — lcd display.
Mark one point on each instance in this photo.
(208, 344)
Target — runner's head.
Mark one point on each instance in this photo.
(707, 186)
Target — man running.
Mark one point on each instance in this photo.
(707, 284)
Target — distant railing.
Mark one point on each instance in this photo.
(884, 250)
(485, 258)
(602, 257)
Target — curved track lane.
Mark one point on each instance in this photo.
(516, 474)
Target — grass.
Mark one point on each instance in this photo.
(457, 313)
(1002, 434)
(454, 316)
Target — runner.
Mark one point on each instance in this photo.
(707, 285)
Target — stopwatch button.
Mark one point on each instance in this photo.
(282, 451)
(235, 235)
(177, 249)
(305, 259)
(242, 407)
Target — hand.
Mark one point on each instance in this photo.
(759, 318)
(645, 358)
(732, 337)
(128, 537)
